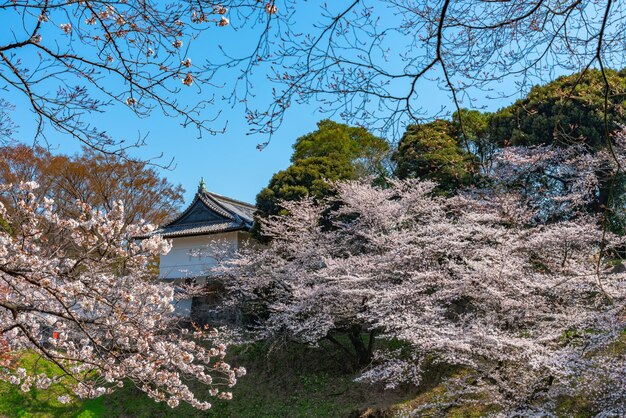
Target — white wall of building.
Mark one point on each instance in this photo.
(191, 257)
(194, 256)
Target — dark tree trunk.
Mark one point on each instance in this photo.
(605, 185)
(360, 351)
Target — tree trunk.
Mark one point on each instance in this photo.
(363, 352)
(605, 186)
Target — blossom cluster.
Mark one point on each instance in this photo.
(480, 280)
(80, 293)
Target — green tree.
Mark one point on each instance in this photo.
(432, 151)
(307, 177)
(354, 146)
(577, 109)
(332, 152)
(471, 129)
(566, 111)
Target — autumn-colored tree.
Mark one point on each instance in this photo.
(94, 178)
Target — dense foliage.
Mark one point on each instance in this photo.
(482, 280)
(431, 151)
(566, 111)
(333, 152)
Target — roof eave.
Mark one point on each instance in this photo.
(169, 235)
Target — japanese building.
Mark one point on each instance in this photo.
(212, 226)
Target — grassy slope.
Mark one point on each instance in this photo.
(43, 403)
(292, 381)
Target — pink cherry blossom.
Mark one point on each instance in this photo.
(481, 280)
(81, 293)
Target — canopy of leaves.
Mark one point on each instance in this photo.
(570, 109)
(94, 178)
(430, 151)
(470, 123)
(308, 177)
(353, 145)
(333, 152)
(567, 114)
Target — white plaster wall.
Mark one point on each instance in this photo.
(192, 256)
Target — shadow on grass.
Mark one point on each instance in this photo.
(292, 380)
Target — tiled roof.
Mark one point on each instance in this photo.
(209, 213)
(243, 209)
(196, 229)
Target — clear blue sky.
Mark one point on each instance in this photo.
(230, 163)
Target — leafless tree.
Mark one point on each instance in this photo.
(72, 59)
(363, 60)
(367, 60)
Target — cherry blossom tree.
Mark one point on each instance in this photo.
(79, 292)
(480, 280)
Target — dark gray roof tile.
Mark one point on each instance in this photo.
(209, 213)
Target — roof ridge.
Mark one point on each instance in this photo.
(231, 199)
(214, 202)
(217, 206)
(181, 214)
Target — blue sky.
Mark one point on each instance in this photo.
(230, 162)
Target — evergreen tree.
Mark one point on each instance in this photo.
(432, 151)
(332, 152)
(566, 111)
